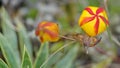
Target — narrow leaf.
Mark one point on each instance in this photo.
(23, 37)
(8, 52)
(26, 62)
(103, 64)
(53, 60)
(3, 64)
(42, 55)
(9, 32)
(67, 60)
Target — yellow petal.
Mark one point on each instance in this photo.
(47, 31)
(93, 20)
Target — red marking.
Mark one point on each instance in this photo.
(90, 11)
(37, 32)
(86, 20)
(46, 24)
(104, 19)
(52, 34)
(42, 26)
(96, 25)
(99, 10)
(41, 39)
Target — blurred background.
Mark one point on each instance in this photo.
(24, 16)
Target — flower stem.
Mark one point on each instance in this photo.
(67, 38)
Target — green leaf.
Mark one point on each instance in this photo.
(103, 64)
(23, 37)
(53, 60)
(56, 46)
(67, 60)
(42, 55)
(9, 32)
(3, 64)
(8, 53)
(26, 62)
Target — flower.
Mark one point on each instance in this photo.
(47, 31)
(93, 20)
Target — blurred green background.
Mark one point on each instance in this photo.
(20, 48)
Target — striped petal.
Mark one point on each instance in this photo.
(47, 31)
(93, 20)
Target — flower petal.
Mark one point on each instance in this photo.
(47, 31)
(97, 25)
(86, 20)
(93, 20)
(90, 11)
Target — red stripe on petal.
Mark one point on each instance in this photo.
(37, 32)
(90, 11)
(47, 24)
(86, 20)
(99, 10)
(104, 19)
(41, 39)
(52, 34)
(96, 25)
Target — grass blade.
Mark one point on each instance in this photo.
(54, 59)
(67, 60)
(8, 53)
(26, 63)
(42, 55)
(23, 38)
(9, 32)
(3, 64)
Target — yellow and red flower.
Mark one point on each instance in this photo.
(47, 31)
(93, 20)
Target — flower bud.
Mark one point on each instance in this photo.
(47, 31)
(93, 20)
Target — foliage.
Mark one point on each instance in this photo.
(20, 51)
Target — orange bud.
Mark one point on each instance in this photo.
(93, 20)
(47, 31)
